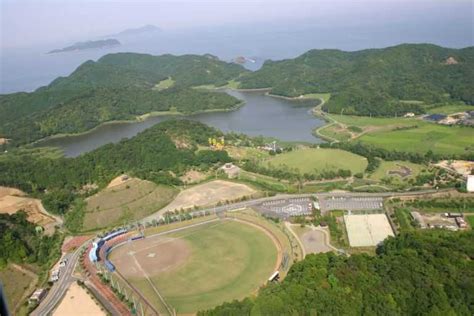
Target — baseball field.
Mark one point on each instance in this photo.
(201, 266)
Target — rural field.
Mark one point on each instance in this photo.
(125, 201)
(16, 284)
(315, 161)
(200, 267)
(428, 136)
(404, 134)
(208, 194)
(450, 109)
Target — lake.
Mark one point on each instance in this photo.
(260, 115)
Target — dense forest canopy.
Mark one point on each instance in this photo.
(116, 87)
(418, 273)
(379, 82)
(160, 154)
(20, 242)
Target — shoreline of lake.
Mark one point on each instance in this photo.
(137, 119)
(258, 114)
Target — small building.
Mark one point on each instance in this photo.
(470, 183)
(231, 170)
(461, 222)
(37, 296)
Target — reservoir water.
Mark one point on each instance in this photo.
(260, 115)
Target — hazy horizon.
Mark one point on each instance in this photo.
(264, 29)
(27, 23)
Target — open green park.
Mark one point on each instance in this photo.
(317, 160)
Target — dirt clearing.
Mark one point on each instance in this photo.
(315, 241)
(13, 200)
(209, 194)
(77, 302)
(150, 256)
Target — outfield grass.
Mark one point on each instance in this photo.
(229, 260)
(164, 84)
(128, 201)
(315, 161)
(428, 136)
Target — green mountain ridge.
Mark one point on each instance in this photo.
(116, 87)
(373, 81)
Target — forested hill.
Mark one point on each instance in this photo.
(378, 82)
(419, 273)
(116, 87)
(160, 154)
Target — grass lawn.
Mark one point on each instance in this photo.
(164, 84)
(363, 121)
(314, 161)
(229, 261)
(324, 186)
(470, 219)
(386, 166)
(428, 136)
(15, 283)
(287, 241)
(241, 153)
(450, 109)
(263, 182)
(381, 132)
(133, 199)
(323, 96)
(335, 132)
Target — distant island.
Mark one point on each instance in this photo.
(242, 60)
(143, 30)
(107, 43)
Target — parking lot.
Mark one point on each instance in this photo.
(350, 203)
(286, 208)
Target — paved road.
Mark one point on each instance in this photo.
(250, 203)
(58, 290)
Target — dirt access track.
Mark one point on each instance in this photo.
(13, 200)
(208, 194)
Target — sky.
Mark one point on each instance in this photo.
(28, 22)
